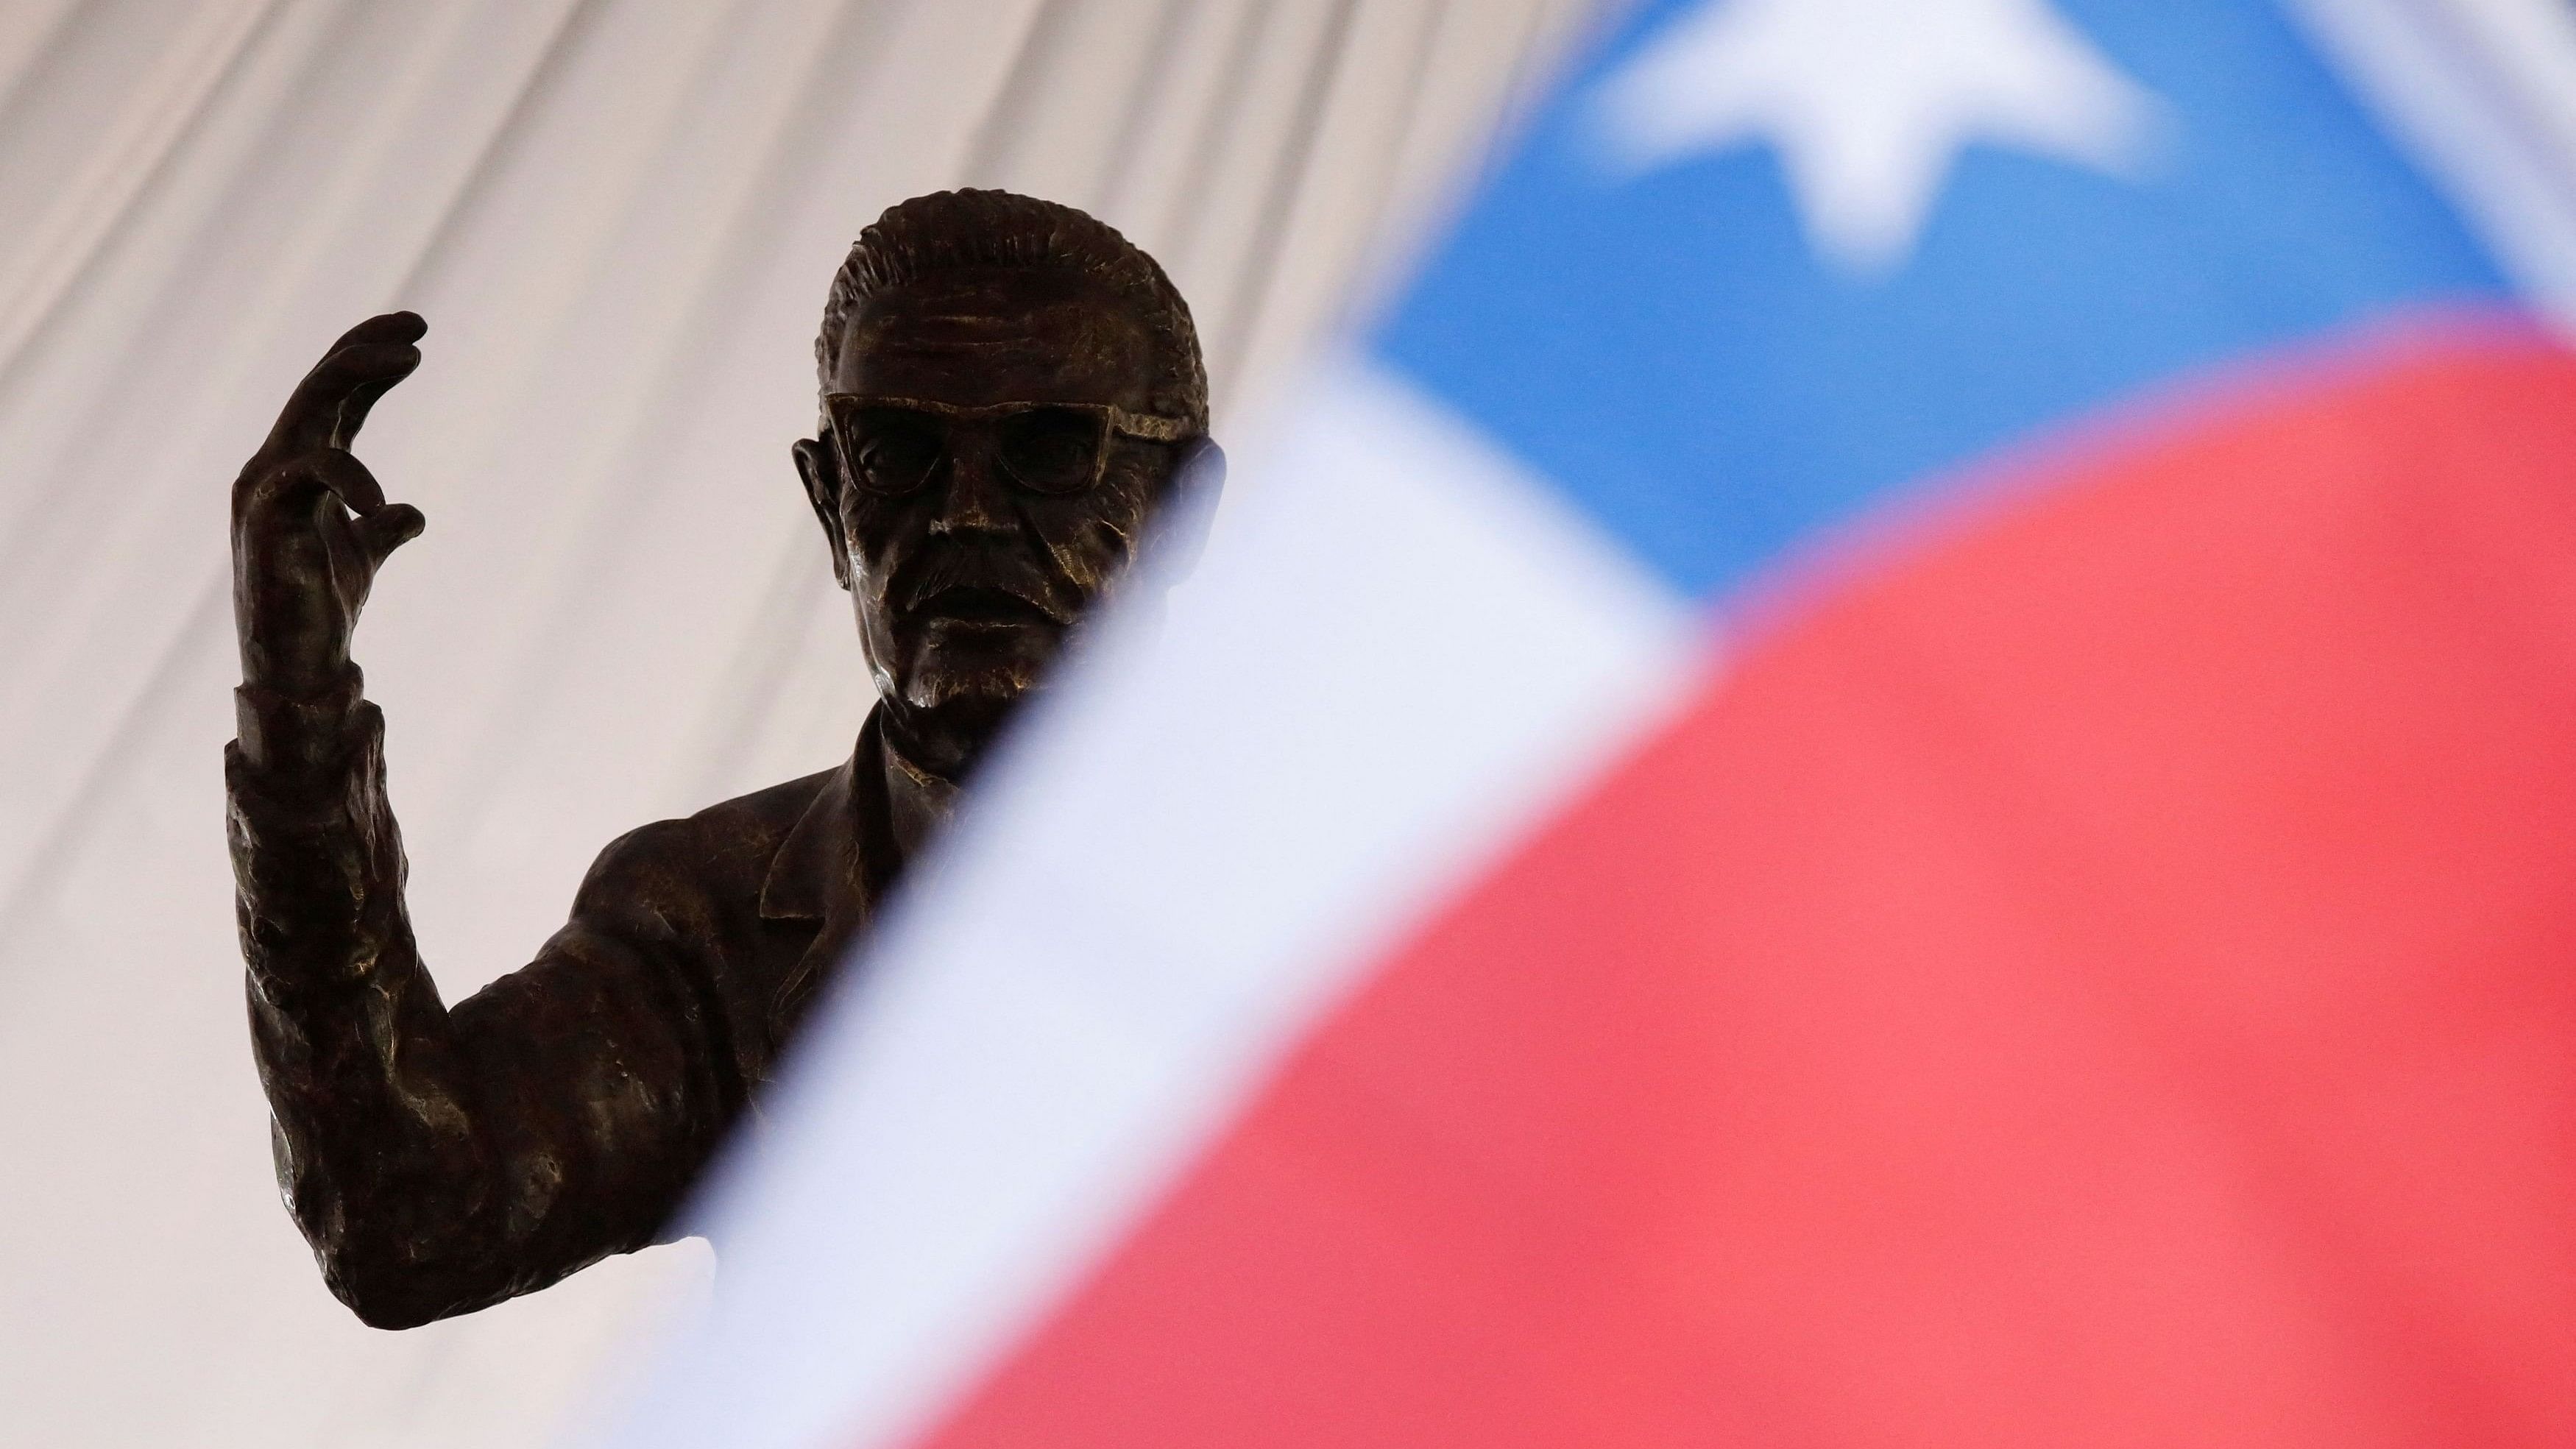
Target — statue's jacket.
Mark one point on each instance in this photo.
(441, 1159)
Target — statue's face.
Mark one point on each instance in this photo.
(964, 575)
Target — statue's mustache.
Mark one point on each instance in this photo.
(938, 570)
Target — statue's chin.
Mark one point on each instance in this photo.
(952, 709)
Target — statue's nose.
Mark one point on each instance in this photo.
(974, 501)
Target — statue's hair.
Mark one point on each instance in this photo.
(930, 234)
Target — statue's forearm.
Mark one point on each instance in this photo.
(380, 1152)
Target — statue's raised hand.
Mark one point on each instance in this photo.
(310, 524)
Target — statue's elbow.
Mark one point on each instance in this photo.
(390, 1249)
(387, 1291)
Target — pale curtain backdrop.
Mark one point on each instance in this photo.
(620, 218)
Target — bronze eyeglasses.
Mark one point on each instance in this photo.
(894, 445)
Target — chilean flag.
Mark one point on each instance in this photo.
(1894, 765)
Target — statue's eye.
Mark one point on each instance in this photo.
(1054, 450)
(896, 451)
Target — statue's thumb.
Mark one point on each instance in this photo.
(389, 528)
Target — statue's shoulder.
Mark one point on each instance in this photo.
(723, 851)
(763, 814)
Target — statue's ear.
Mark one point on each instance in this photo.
(1189, 507)
(820, 466)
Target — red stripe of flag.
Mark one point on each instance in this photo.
(2109, 978)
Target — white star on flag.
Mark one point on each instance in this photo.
(1869, 103)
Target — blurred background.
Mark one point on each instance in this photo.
(620, 218)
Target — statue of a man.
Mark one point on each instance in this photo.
(1010, 392)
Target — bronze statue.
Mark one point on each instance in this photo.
(1010, 393)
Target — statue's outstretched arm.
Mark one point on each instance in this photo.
(437, 1160)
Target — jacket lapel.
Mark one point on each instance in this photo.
(821, 874)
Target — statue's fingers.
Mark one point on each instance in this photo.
(347, 479)
(400, 331)
(331, 402)
(389, 528)
(403, 327)
(353, 408)
(314, 416)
